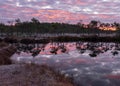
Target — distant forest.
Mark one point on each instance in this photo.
(35, 26)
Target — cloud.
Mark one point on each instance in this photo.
(61, 10)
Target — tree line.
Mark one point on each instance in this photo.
(34, 26)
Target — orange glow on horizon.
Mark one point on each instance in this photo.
(108, 28)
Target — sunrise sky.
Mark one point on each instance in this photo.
(67, 11)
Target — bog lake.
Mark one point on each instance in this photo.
(89, 64)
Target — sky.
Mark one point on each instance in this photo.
(67, 11)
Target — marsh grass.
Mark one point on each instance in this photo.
(43, 75)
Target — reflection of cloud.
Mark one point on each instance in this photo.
(61, 10)
(117, 71)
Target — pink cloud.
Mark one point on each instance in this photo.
(63, 11)
(61, 15)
